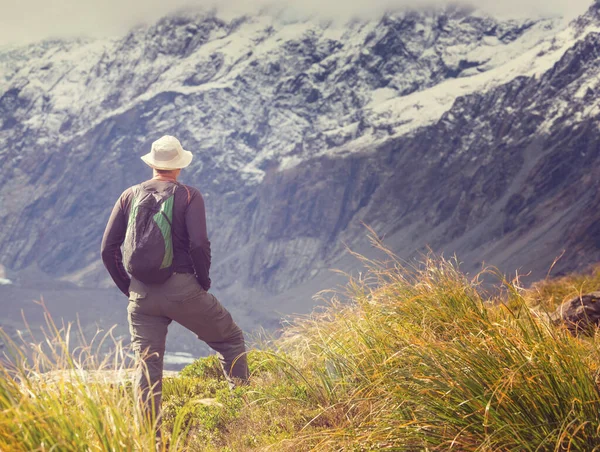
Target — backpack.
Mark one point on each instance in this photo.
(148, 244)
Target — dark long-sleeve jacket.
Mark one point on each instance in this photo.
(191, 247)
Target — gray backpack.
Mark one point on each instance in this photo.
(148, 245)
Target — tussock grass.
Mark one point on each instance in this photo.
(548, 294)
(421, 359)
(57, 397)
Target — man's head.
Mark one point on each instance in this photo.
(167, 155)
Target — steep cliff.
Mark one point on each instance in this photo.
(445, 128)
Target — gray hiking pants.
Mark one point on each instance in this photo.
(150, 311)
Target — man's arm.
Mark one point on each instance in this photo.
(114, 235)
(195, 219)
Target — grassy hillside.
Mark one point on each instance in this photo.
(422, 359)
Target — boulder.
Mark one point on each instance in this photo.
(579, 314)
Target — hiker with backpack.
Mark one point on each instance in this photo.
(164, 271)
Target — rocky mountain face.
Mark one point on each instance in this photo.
(443, 128)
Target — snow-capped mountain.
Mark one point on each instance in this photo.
(444, 127)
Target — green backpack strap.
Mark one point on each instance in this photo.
(164, 220)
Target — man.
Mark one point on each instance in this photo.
(184, 296)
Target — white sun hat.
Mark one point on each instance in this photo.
(167, 154)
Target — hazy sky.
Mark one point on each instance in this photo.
(30, 20)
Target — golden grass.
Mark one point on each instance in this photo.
(420, 360)
(550, 293)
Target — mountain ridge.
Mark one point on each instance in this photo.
(308, 137)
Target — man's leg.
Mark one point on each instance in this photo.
(232, 354)
(148, 337)
(200, 312)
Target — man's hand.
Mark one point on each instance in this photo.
(205, 284)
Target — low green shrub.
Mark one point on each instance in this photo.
(209, 367)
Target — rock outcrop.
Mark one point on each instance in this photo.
(580, 314)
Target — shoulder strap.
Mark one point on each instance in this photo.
(135, 193)
(189, 195)
(136, 190)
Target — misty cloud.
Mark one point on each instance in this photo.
(32, 20)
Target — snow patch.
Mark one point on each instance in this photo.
(74, 86)
(423, 108)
